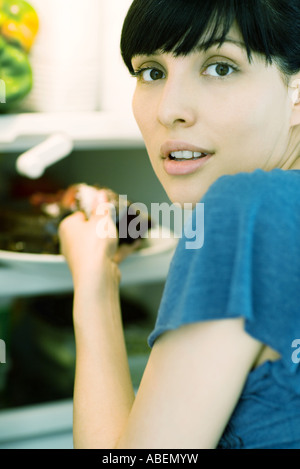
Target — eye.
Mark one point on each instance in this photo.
(148, 74)
(220, 70)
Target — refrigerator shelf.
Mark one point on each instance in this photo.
(88, 130)
(41, 426)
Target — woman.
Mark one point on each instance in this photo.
(217, 102)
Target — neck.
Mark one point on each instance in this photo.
(293, 152)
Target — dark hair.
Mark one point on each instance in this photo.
(268, 27)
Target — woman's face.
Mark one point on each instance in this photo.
(208, 114)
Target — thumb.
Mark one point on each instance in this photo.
(103, 218)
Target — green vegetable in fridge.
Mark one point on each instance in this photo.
(15, 74)
(19, 23)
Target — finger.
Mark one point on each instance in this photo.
(104, 209)
(105, 227)
(100, 201)
(104, 218)
(126, 250)
(71, 220)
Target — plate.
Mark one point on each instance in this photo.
(160, 240)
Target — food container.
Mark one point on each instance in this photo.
(117, 85)
(66, 58)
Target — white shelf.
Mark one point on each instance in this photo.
(48, 425)
(45, 426)
(35, 279)
(91, 130)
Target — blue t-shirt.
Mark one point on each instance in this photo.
(249, 266)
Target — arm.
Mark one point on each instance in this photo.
(193, 379)
(103, 392)
(191, 385)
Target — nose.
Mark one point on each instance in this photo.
(177, 104)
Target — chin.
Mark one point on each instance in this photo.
(185, 202)
(185, 197)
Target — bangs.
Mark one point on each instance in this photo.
(179, 26)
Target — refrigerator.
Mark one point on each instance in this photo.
(81, 94)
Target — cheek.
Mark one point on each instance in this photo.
(146, 118)
(143, 112)
(136, 108)
(250, 119)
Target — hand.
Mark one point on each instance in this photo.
(91, 247)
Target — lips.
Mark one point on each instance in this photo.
(181, 158)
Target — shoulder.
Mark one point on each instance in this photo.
(260, 205)
(259, 195)
(258, 185)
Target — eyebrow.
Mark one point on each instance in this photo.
(209, 44)
(220, 42)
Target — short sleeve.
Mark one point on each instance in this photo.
(249, 264)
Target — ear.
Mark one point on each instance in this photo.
(294, 94)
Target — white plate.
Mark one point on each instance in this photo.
(160, 240)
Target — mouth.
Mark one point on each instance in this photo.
(181, 158)
(182, 151)
(186, 155)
